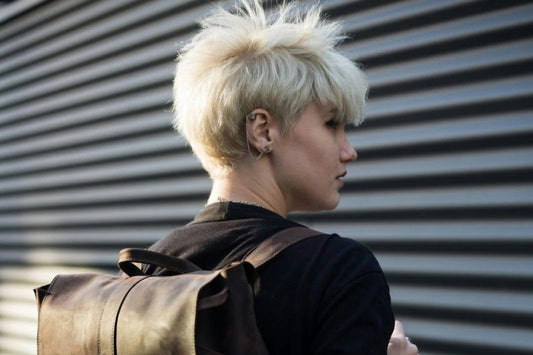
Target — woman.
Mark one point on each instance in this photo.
(263, 103)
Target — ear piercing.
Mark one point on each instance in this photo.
(252, 116)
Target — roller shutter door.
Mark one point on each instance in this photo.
(442, 191)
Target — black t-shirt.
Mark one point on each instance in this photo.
(324, 295)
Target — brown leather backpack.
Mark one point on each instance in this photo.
(193, 312)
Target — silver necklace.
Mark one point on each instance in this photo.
(220, 199)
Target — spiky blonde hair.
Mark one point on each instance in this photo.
(242, 60)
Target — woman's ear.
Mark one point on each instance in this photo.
(259, 126)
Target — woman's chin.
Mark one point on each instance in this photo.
(333, 205)
(318, 206)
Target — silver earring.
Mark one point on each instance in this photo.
(266, 149)
(251, 116)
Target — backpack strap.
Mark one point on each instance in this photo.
(263, 253)
(127, 257)
(277, 243)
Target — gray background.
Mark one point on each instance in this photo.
(442, 191)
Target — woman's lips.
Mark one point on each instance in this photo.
(339, 178)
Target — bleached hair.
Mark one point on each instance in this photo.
(243, 59)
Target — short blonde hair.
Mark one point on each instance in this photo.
(243, 60)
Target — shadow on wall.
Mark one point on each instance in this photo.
(22, 270)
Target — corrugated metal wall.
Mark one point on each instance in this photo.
(442, 190)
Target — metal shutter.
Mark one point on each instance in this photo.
(442, 191)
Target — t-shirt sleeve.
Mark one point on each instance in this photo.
(354, 314)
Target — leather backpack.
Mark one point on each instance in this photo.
(192, 312)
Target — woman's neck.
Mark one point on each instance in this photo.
(257, 189)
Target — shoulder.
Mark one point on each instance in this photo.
(331, 251)
(329, 261)
(336, 287)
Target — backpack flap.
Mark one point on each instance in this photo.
(190, 313)
(230, 327)
(158, 316)
(107, 314)
(71, 313)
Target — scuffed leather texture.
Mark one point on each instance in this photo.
(200, 312)
(105, 315)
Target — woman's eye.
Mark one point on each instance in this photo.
(332, 124)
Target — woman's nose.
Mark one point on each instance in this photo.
(348, 154)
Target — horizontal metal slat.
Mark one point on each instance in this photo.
(75, 36)
(450, 97)
(125, 64)
(49, 76)
(152, 213)
(16, 291)
(42, 31)
(441, 164)
(159, 76)
(133, 40)
(140, 191)
(25, 329)
(96, 237)
(118, 171)
(32, 19)
(17, 309)
(137, 102)
(34, 276)
(10, 345)
(482, 231)
(473, 59)
(134, 124)
(329, 4)
(441, 32)
(463, 299)
(42, 256)
(460, 333)
(456, 265)
(393, 11)
(428, 132)
(93, 154)
(439, 198)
